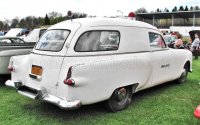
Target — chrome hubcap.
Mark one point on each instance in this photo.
(121, 94)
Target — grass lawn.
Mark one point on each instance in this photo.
(168, 104)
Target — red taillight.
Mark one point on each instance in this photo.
(68, 80)
(11, 68)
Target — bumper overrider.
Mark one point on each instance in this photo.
(43, 95)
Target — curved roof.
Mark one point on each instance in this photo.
(92, 22)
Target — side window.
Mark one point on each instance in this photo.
(98, 41)
(156, 40)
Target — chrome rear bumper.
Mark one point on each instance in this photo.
(43, 95)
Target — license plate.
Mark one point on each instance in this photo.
(36, 70)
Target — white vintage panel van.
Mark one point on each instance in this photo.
(86, 61)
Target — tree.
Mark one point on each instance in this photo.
(22, 23)
(174, 9)
(75, 15)
(31, 22)
(40, 21)
(166, 10)
(186, 8)
(181, 8)
(196, 8)
(6, 26)
(82, 15)
(141, 10)
(191, 8)
(54, 14)
(7, 23)
(1, 25)
(14, 23)
(46, 20)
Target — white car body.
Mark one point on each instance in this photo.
(14, 32)
(97, 74)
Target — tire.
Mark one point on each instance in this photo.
(4, 78)
(183, 76)
(120, 99)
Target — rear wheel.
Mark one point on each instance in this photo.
(120, 99)
(183, 76)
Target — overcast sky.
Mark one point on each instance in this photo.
(21, 8)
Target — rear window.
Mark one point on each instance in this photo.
(52, 40)
(98, 41)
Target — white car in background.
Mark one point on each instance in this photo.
(85, 61)
(17, 32)
(12, 46)
(34, 35)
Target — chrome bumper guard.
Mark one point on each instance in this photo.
(43, 95)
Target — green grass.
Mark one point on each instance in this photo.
(167, 104)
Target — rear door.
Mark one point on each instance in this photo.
(47, 58)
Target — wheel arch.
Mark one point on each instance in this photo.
(116, 103)
(133, 85)
(188, 64)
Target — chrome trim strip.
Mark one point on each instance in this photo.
(106, 54)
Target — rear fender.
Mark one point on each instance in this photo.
(21, 65)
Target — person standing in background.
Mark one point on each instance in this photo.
(178, 42)
(195, 43)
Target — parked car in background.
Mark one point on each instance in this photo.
(11, 40)
(34, 35)
(17, 32)
(5, 32)
(12, 46)
(1, 33)
(85, 61)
